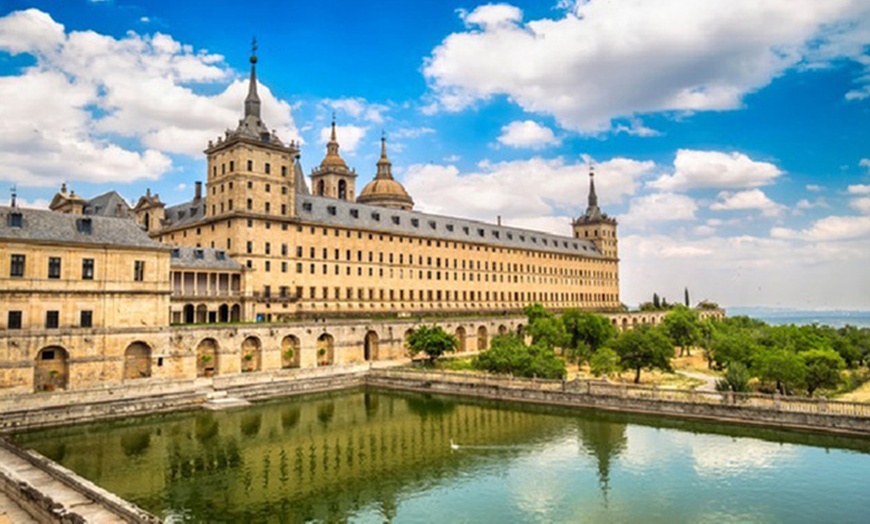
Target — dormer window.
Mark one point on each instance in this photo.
(432, 224)
(198, 254)
(495, 234)
(84, 226)
(415, 222)
(176, 253)
(376, 217)
(510, 236)
(465, 229)
(220, 255)
(15, 219)
(480, 233)
(306, 206)
(449, 227)
(354, 213)
(396, 220)
(330, 210)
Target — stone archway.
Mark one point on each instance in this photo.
(207, 357)
(189, 314)
(290, 352)
(137, 361)
(224, 314)
(370, 346)
(201, 314)
(502, 329)
(482, 342)
(236, 313)
(325, 350)
(252, 350)
(51, 369)
(460, 339)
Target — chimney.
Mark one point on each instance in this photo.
(198, 193)
(499, 220)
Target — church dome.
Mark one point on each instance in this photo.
(384, 190)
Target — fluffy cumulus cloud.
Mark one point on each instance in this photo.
(861, 205)
(601, 62)
(98, 109)
(752, 199)
(538, 192)
(359, 108)
(715, 170)
(828, 229)
(527, 133)
(859, 189)
(348, 136)
(651, 209)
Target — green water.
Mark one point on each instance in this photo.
(374, 456)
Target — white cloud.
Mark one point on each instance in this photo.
(359, 108)
(715, 170)
(747, 270)
(814, 188)
(806, 204)
(865, 162)
(86, 90)
(861, 205)
(410, 132)
(859, 189)
(492, 16)
(527, 134)
(659, 207)
(348, 136)
(586, 66)
(523, 192)
(828, 229)
(747, 200)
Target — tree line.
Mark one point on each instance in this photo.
(749, 353)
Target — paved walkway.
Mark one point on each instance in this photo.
(20, 470)
(709, 382)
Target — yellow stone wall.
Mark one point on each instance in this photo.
(117, 301)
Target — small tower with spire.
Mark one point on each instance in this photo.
(333, 179)
(250, 170)
(596, 226)
(384, 190)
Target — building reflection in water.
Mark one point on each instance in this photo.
(322, 457)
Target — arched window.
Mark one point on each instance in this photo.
(321, 187)
(342, 189)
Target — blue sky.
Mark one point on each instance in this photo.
(730, 138)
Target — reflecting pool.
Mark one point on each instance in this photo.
(376, 456)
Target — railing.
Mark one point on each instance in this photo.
(601, 388)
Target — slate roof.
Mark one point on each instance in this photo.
(202, 258)
(334, 212)
(107, 205)
(185, 213)
(42, 225)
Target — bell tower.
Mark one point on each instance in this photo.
(333, 178)
(596, 226)
(250, 170)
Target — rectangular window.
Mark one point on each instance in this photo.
(86, 319)
(139, 270)
(250, 165)
(53, 267)
(14, 320)
(268, 169)
(52, 319)
(16, 266)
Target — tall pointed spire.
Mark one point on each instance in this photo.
(252, 102)
(592, 210)
(384, 164)
(332, 156)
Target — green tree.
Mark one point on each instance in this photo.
(706, 329)
(548, 331)
(508, 354)
(587, 328)
(433, 341)
(536, 311)
(656, 301)
(604, 362)
(823, 368)
(733, 346)
(644, 347)
(682, 326)
(736, 379)
(781, 366)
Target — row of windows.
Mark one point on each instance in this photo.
(350, 293)
(267, 168)
(18, 265)
(14, 319)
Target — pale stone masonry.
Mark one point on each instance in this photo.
(96, 292)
